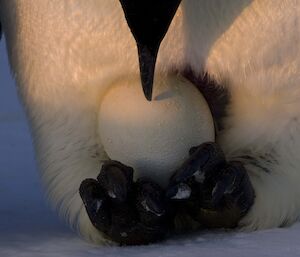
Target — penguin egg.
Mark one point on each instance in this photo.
(154, 137)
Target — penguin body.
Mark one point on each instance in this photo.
(66, 54)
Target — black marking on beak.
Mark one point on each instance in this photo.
(147, 60)
(149, 21)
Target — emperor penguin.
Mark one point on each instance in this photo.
(65, 54)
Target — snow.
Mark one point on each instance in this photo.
(28, 227)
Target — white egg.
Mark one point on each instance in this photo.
(154, 137)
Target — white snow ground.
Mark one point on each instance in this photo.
(29, 228)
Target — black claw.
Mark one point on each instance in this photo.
(96, 204)
(218, 194)
(116, 179)
(150, 201)
(180, 191)
(203, 160)
(243, 194)
(234, 187)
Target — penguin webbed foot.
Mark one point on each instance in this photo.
(127, 212)
(215, 193)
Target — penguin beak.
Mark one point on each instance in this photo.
(149, 21)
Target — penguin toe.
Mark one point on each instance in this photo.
(214, 192)
(127, 212)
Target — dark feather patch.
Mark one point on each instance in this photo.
(216, 96)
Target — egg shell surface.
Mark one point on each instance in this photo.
(154, 137)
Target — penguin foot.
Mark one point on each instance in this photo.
(127, 212)
(214, 192)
